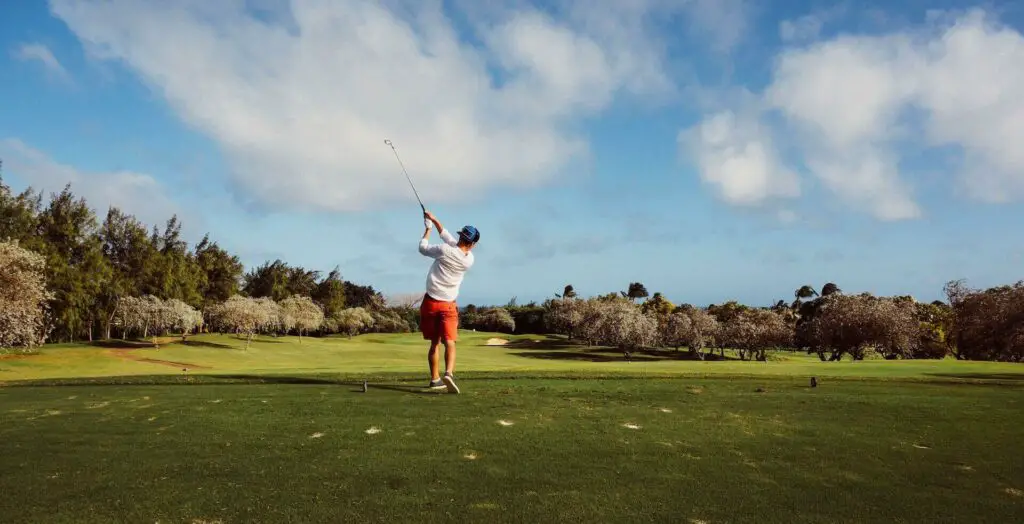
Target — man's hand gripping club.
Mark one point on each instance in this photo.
(429, 220)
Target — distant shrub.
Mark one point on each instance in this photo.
(989, 324)
(854, 324)
(353, 321)
(497, 320)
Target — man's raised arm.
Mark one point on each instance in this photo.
(445, 235)
(425, 248)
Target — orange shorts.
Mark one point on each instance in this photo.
(439, 320)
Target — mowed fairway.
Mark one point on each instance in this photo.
(558, 439)
(405, 354)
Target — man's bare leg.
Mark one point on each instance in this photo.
(449, 357)
(449, 363)
(433, 357)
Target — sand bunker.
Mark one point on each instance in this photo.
(496, 342)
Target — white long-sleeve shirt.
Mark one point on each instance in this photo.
(449, 267)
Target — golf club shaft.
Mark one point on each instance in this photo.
(407, 177)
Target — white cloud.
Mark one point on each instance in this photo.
(42, 54)
(135, 193)
(850, 105)
(734, 154)
(868, 179)
(848, 90)
(845, 97)
(972, 93)
(302, 108)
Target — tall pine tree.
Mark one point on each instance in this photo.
(67, 235)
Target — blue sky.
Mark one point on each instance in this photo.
(712, 150)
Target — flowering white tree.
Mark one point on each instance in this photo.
(855, 324)
(752, 332)
(182, 317)
(703, 333)
(146, 316)
(590, 328)
(23, 297)
(617, 322)
(272, 315)
(565, 315)
(159, 316)
(302, 314)
(130, 315)
(690, 327)
(353, 320)
(286, 320)
(246, 316)
(675, 331)
(626, 327)
(149, 315)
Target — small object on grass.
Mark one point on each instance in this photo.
(814, 382)
(364, 386)
(760, 390)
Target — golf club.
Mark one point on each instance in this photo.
(388, 142)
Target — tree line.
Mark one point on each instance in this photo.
(972, 325)
(67, 275)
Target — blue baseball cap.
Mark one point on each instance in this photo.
(469, 234)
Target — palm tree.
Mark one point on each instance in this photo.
(636, 290)
(805, 292)
(830, 289)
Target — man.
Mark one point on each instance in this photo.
(439, 312)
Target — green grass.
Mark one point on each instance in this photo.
(383, 355)
(711, 450)
(278, 433)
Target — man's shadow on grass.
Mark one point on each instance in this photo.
(357, 385)
(217, 380)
